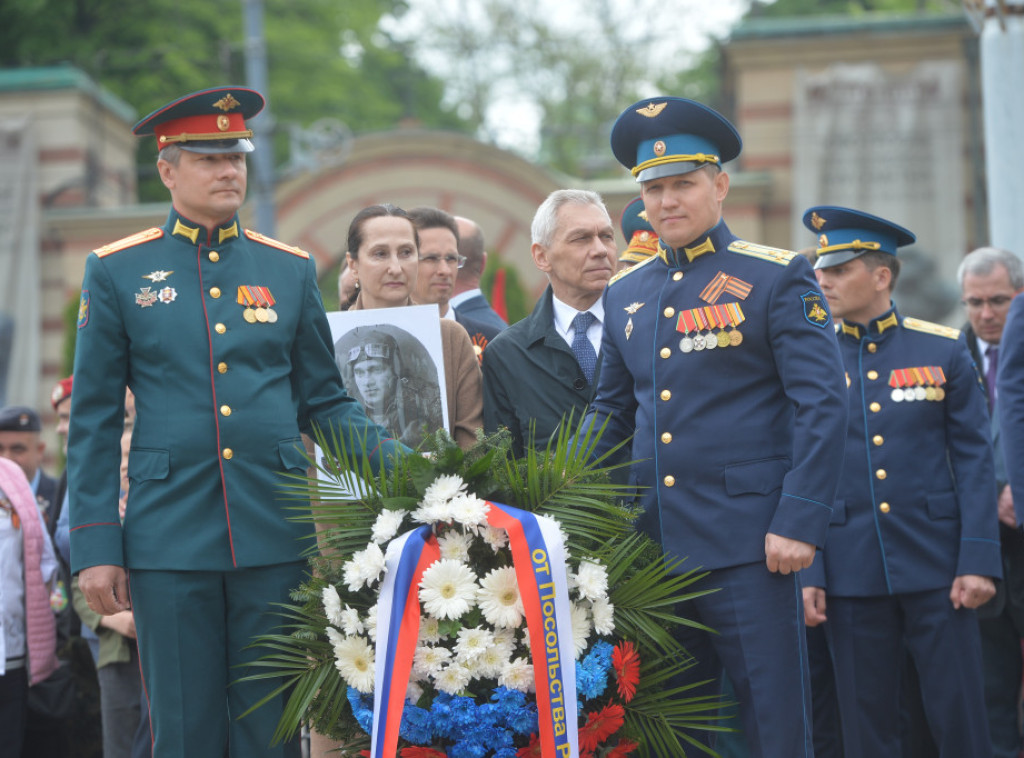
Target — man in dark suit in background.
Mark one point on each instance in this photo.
(468, 302)
(20, 442)
(989, 280)
(544, 367)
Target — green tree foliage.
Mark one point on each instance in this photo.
(326, 59)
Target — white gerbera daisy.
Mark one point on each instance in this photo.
(469, 510)
(332, 604)
(428, 660)
(452, 679)
(496, 538)
(472, 643)
(351, 624)
(499, 598)
(353, 657)
(448, 589)
(517, 675)
(592, 580)
(604, 617)
(580, 628)
(455, 545)
(506, 637)
(387, 524)
(429, 630)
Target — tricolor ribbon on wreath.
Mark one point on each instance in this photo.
(539, 560)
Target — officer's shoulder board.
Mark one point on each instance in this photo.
(929, 328)
(131, 241)
(270, 241)
(631, 269)
(765, 253)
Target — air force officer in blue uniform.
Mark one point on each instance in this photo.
(913, 544)
(221, 334)
(722, 357)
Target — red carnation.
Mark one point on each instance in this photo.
(601, 725)
(421, 752)
(624, 749)
(532, 750)
(626, 664)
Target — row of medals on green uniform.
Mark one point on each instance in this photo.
(261, 298)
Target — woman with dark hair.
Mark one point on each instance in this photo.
(383, 253)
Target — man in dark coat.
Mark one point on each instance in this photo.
(543, 369)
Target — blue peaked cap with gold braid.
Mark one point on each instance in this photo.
(666, 136)
(845, 234)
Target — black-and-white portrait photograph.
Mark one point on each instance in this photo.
(394, 369)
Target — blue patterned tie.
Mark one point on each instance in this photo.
(581, 346)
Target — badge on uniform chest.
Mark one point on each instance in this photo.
(631, 309)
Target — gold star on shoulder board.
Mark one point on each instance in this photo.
(157, 276)
(633, 308)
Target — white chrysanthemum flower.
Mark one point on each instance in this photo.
(517, 675)
(444, 488)
(365, 567)
(469, 510)
(413, 692)
(428, 660)
(592, 580)
(332, 604)
(472, 643)
(429, 630)
(387, 524)
(371, 623)
(455, 545)
(499, 598)
(353, 657)
(448, 589)
(452, 679)
(506, 637)
(496, 538)
(334, 636)
(580, 628)
(604, 617)
(492, 660)
(351, 624)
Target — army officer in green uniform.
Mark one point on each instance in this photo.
(221, 334)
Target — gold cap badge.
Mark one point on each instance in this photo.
(817, 221)
(223, 123)
(659, 148)
(822, 241)
(227, 103)
(651, 109)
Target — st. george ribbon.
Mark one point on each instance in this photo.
(538, 557)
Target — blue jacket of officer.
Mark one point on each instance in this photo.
(723, 358)
(915, 506)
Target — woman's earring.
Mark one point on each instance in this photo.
(357, 284)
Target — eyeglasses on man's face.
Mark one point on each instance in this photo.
(434, 259)
(996, 302)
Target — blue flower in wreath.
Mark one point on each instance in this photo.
(592, 671)
(417, 725)
(362, 709)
